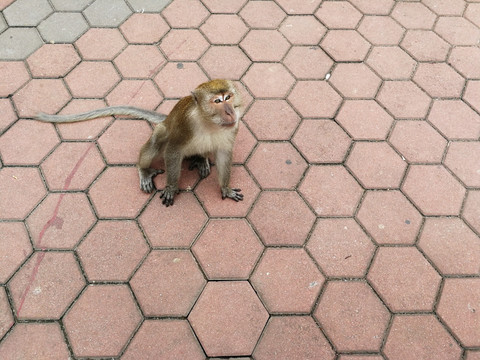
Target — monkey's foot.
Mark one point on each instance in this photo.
(167, 195)
(233, 194)
(202, 164)
(146, 179)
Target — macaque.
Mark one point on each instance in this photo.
(200, 124)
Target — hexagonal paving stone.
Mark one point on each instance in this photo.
(472, 13)
(291, 337)
(60, 221)
(287, 280)
(19, 149)
(92, 79)
(175, 13)
(404, 99)
(116, 193)
(417, 141)
(315, 99)
(462, 59)
(139, 61)
(439, 80)
(6, 320)
(19, 42)
(298, 7)
(233, 24)
(179, 79)
(302, 30)
(431, 340)
(225, 62)
(168, 283)
(183, 45)
(471, 211)
(53, 60)
(352, 316)
(112, 251)
(268, 80)
(63, 27)
(458, 307)
(106, 312)
(463, 159)
(457, 30)
(228, 318)
(265, 45)
(155, 336)
(413, 15)
(459, 257)
(389, 218)
(35, 340)
(404, 279)
(266, 14)
(322, 141)
(144, 28)
(455, 119)
(276, 165)
(15, 247)
(433, 190)
(148, 5)
(107, 13)
(471, 94)
(455, 7)
(8, 114)
(19, 12)
(340, 247)
(46, 285)
(308, 62)
(338, 15)
(331, 190)
(355, 80)
(219, 6)
(391, 31)
(22, 189)
(271, 119)
(374, 7)
(140, 93)
(227, 249)
(14, 75)
(425, 45)
(72, 166)
(345, 45)
(391, 63)
(282, 226)
(92, 46)
(244, 144)
(45, 95)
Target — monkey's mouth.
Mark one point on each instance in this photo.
(228, 120)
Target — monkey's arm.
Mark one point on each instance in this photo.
(151, 116)
(173, 163)
(224, 165)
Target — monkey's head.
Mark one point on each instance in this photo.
(220, 101)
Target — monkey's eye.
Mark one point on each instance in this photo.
(217, 101)
(227, 97)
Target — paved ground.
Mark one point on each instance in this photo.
(358, 156)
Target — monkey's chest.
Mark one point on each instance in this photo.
(209, 142)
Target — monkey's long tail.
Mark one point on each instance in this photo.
(132, 111)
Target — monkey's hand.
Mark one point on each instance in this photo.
(168, 194)
(233, 194)
(202, 164)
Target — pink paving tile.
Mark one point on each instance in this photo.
(228, 318)
(439, 80)
(100, 44)
(472, 355)
(446, 7)
(472, 95)
(112, 251)
(376, 165)
(404, 279)
(60, 221)
(139, 93)
(338, 15)
(21, 189)
(106, 313)
(45, 95)
(92, 79)
(431, 340)
(116, 193)
(355, 81)
(345, 45)
(391, 63)
(433, 190)
(185, 13)
(293, 337)
(8, 114)
(276, 223)
(276, 165)
(322, 141)
(139, 61)
(46, 285)
(170, 338)
(413, 15)
(176, 226)
(220, 6)
(265, 45)
(15, 247)
(271, 119)
(364, 119)
(296, 7)
(455, 119)
(425, 45)
(35, 341)
(287, 280)
(72, 166)
(463, 58)
(404, 99)
(5, 3)
(144, 28)
(471, 211)
(308, 62)
(473, 13)
(53, 60)
(183, 45)
(168, 283)
(463, 159)
(262, 14)
(360, 357)
(179, 79)
(389, 218)
(331, 190)
(268, 80)
(225, 62)
(302, 30)
(315, 99)
(459, 257)
(340, 247)
(417, 141)
(227, 249)
(18, 149)
(234, 29)
(391, 32)
(352, 316)
(458, 307)
(244, 144)
(14, 74)
(374, 7)
(6, 317)
(457, 30)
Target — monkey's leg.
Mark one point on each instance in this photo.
(149, 151)
(224, 165)
(202, 163)
(173, 162)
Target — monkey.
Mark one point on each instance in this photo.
(202, 123)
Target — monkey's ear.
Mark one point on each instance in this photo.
(195, 97)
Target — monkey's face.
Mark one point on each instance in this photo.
(223, 105)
